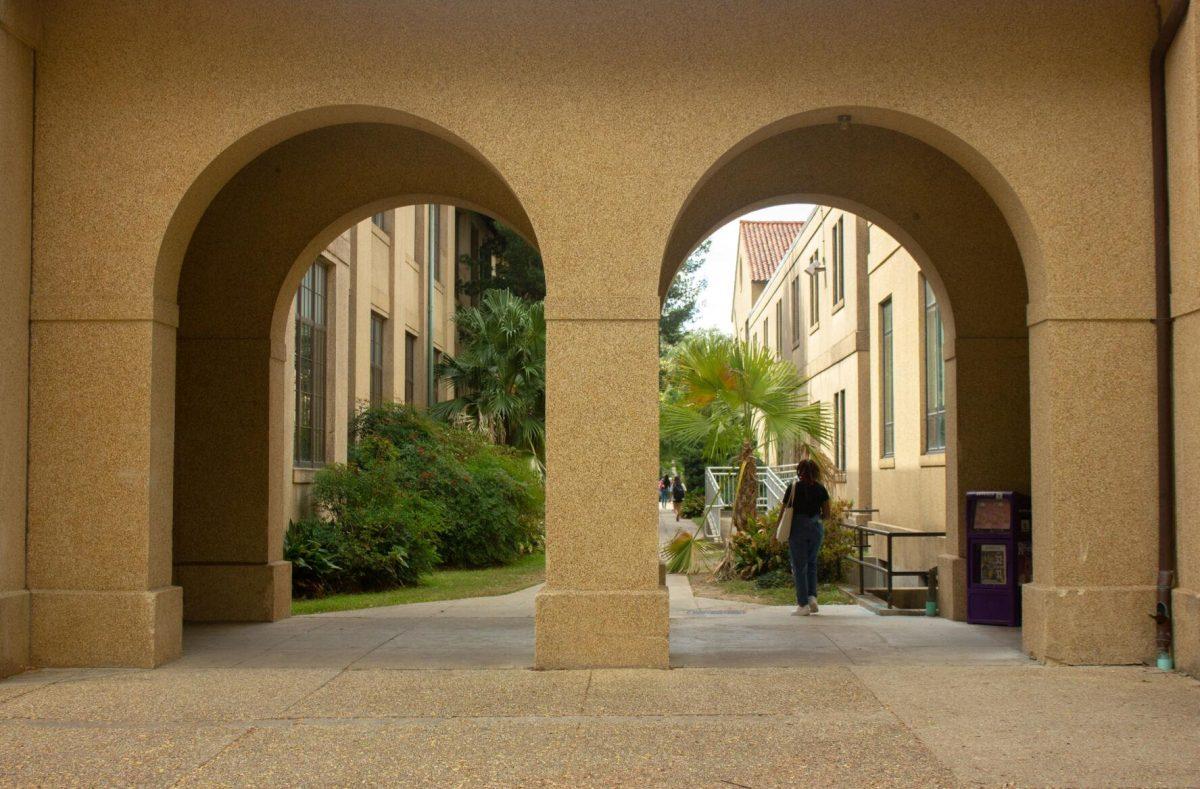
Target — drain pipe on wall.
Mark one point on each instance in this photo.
(1164, 334)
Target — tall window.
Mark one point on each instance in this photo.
(795, 309)
(839, 261)
(814, 289)
(435, 235)
(935, 376)
(419, 234)
(437, 389)
(377, 325)
(410, 367)
(383, 221)
(310, 367)
(779, 327)
(767, 333)
(887, 393)
(839, 429)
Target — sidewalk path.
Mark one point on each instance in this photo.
(762, 699)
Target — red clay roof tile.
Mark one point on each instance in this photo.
(766, 244)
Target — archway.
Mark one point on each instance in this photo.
(870, 163)
(236, 274)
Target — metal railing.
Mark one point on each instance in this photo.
(889, 573)
(720, 490)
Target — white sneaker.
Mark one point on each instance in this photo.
(801, 611)
(812, 604)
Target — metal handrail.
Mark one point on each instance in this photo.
(720, 483)
(890, 572)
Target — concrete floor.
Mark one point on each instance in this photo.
(761, 699)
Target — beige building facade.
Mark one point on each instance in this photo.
(361, 318)
(171, 191)
(848, 306)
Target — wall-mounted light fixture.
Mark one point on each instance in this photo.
(843, 122)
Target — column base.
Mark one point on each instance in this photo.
(952, 587)
(235, 592)
(86, 628)
(589, 629)
(1185, 612)
(1096, 625)
(14, 632)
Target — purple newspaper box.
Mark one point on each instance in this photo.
(999, 556)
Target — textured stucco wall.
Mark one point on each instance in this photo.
(1183, 119)
(599, 121)
(16, 193)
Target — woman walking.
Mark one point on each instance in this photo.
(809, 504)
(678, 491)
(664, 491)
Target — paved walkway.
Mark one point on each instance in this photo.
(762, 699)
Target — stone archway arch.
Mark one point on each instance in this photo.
(250, 245)
(962, 240)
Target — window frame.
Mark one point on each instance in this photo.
(838, 264)
(887, 379)
(410, 367)
(934, 374)
(312, 320)
(840, 445)
(378, 334)
(435, 236)
(814, 291)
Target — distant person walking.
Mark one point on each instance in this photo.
(678, 491)
(664, 491)
(809, 504)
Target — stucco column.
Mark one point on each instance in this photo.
(229, 511)
(603, 603)
(987, 443)
(1094, 491)
(16, 203)
(99, 561)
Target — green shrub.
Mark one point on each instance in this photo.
(311, 545)
(693, 503)
(755, 552)
(492, 495)
(374, 535)
(773, 579)
(837, 545)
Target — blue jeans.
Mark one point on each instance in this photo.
(804, 543)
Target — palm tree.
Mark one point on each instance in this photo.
(735, 395)
(499, 374)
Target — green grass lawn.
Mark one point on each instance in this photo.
(440, 585)
(747, 592)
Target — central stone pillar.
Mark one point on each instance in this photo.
(603, 604)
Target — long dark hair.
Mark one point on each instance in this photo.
(808, 472)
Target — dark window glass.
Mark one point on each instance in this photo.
(383, 221)
(839, 430)
(378, 323)
(935, 376)
(410, 367)
(310, 367)
(814, 291)
(435, 234)
(796, 310)
(886, 384)
(419, 234)
(779, 327)
(839, 261)
(437, 389)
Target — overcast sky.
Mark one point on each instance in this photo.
(717, 299)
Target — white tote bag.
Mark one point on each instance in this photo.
(784, 529)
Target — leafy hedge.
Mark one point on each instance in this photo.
(414, 493)
(756, 553)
